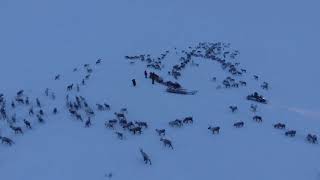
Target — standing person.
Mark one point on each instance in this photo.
(152, 79)
(134, 82)
(152, 76)
(145, 74)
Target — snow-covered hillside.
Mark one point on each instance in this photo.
(276, 41)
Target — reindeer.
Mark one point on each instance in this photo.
(120, 116)
(214, 129)
(176, 123)
(238, 124)
(41, 112)
(253, 108)
(57, 77)
(38, 103)
(88, 123)
(17, 130)
(312, 138)
(136, 130)
(20, 100)
(188, 120)
(256, 77)
(78, 88)
(120, 135)
(20, 93)
(236, 85)
(233, 108)
(27, 123)
(53, 96)
(40, 119)
(161, 132)
(290, 133)
(123, 122)
(257, 118)
(13, 118)
(243, 83)
(141, 124)
(279, 126)
(145, 156)
(100, 107)
(46, 92)
(98, 61)
(89, 112)
(113, 121)
(13, 105)
(55, 111)
(128, 125)
(109, 125)
(107, 106)
(78, 117)
(31, 111)
(6, 140)
(265, 86)
(70, 87)
(27, 101)
(72, 111)
(166, 142)
(89, 70)
(124, 110)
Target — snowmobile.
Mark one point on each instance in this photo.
(256, 97)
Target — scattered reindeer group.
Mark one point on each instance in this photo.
(79, 108)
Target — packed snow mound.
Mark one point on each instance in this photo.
(130, 118)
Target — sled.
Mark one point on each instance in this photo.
(181, 91)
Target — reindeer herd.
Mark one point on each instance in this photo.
(79, 108)
(220, 53)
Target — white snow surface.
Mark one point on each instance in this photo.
(277, 40)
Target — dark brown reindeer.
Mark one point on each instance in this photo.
(166, 142)
(257, 118)
(120, 135)
(70, 87)
(120, 116)
(136, 130)
(279, 126)
(253, 108)
(27, 123)
(16, 130)
(57, 77)
(188, 120)
(214, 129)
(238, 124)
(312, 138)
(141, 124)
(98, 61)
(88, 123)
(243, 83)
(5, 140)
(161, 132)
(145, 156)
(233, 108)
(291, 133)
(109, 125)
(176, 123)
